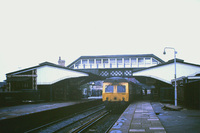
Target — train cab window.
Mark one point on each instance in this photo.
(121, 89)
(109, 89)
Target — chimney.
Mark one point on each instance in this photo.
(61, 62)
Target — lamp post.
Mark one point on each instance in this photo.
(175, 88)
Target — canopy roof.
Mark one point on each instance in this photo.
(48, 73)
(165, 71)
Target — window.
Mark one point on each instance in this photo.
(84, 61)
(98, 61)
(109, 89)
(147, 60)
(133, 61)
(91, 61)
(121, 89)
(141, 61)
(105, 60)
(112, 61)
(119, 61)
(126, 60)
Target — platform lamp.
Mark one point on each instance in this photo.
(175, 88)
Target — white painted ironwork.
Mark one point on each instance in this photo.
(115, 63)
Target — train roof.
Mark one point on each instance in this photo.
(116, 79)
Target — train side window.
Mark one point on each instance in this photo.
(109, 89)
(121, 89)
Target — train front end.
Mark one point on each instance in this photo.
(115, 95)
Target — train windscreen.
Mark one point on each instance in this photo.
(121, 89)
(109, 89)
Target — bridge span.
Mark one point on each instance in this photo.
(115, 65)
(146, 67)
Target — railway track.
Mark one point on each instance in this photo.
(102, 125)
(68, 122)
(89, 123)
(96, 119)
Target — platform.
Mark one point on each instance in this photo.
(139, 117)
(20, 110)
(26, 117)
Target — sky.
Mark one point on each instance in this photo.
(32, 32)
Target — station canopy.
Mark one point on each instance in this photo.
(48, 73)
(165, 72)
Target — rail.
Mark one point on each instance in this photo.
(89, 123)
(46, 127)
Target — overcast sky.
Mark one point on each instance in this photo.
(32, 32)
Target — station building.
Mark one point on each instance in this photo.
(52, 82)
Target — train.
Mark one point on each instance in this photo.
(119, 92)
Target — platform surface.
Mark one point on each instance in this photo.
(186, 120)
(138, 118)
(20, 110)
